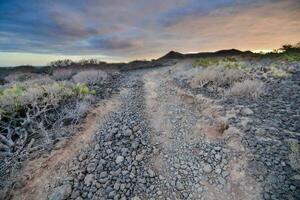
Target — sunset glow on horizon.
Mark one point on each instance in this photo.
(37, 32)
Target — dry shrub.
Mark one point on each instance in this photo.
(294, 155)
(91, 77)
(248, 88)
(217, 77)
(206, 62)
(63, 74)
(231, 76)
(19, 77)
(30, 111)
(44, 80)
(205, 77)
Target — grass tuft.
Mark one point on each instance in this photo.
(248, 88)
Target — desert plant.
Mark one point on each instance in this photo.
(19, 77)
(63, 74)
(248, 88)
(28, 112)
(82, 89)
(61, 63)
(291, 56)
(88, 62)
(233, 65)
(286, 47)
(222, 62)
(217, 77)
(294, 155)
(277, 72)
(91, 77)
(205, 77)
(206, 62)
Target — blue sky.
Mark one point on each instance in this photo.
(38, 31)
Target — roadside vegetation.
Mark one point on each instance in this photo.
(221, 62)
(240, 76)
(251, 89)
(287, 52)
(38, 110)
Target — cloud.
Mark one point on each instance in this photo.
(266, 26)
(142, 28)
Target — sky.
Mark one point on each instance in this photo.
(39, 31)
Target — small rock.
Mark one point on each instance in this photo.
(88, 179)
(179, 185)
(75, 194)
(122, 187)
(135, 145)
(103, 174)
(218, 170)
(60, 144)
(135, 129)
(217, 148)
(139, 157)
(61, 193)
(247, 111)
(91, 167)
(222, 181)
(116, 186)
(218, 157)
(111, 194)
(119, 159)
(151, 173)
(225, 174)
(128, 132)
(82, 157)
(97, 147)
(207, 168)
(292, 187)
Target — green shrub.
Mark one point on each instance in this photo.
(233, 65)
(12, 98)
(277, 72)
(82, 89)
(18, 97)
(291, 56)
(206, 62)
(287, 52)
(224, 62)
(16, 90)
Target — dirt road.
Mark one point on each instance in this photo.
(157, 139)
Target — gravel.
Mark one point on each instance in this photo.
(116, 164)
(61, 193)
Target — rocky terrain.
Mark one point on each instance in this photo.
(159, 137)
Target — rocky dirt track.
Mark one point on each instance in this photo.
(162, 140)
